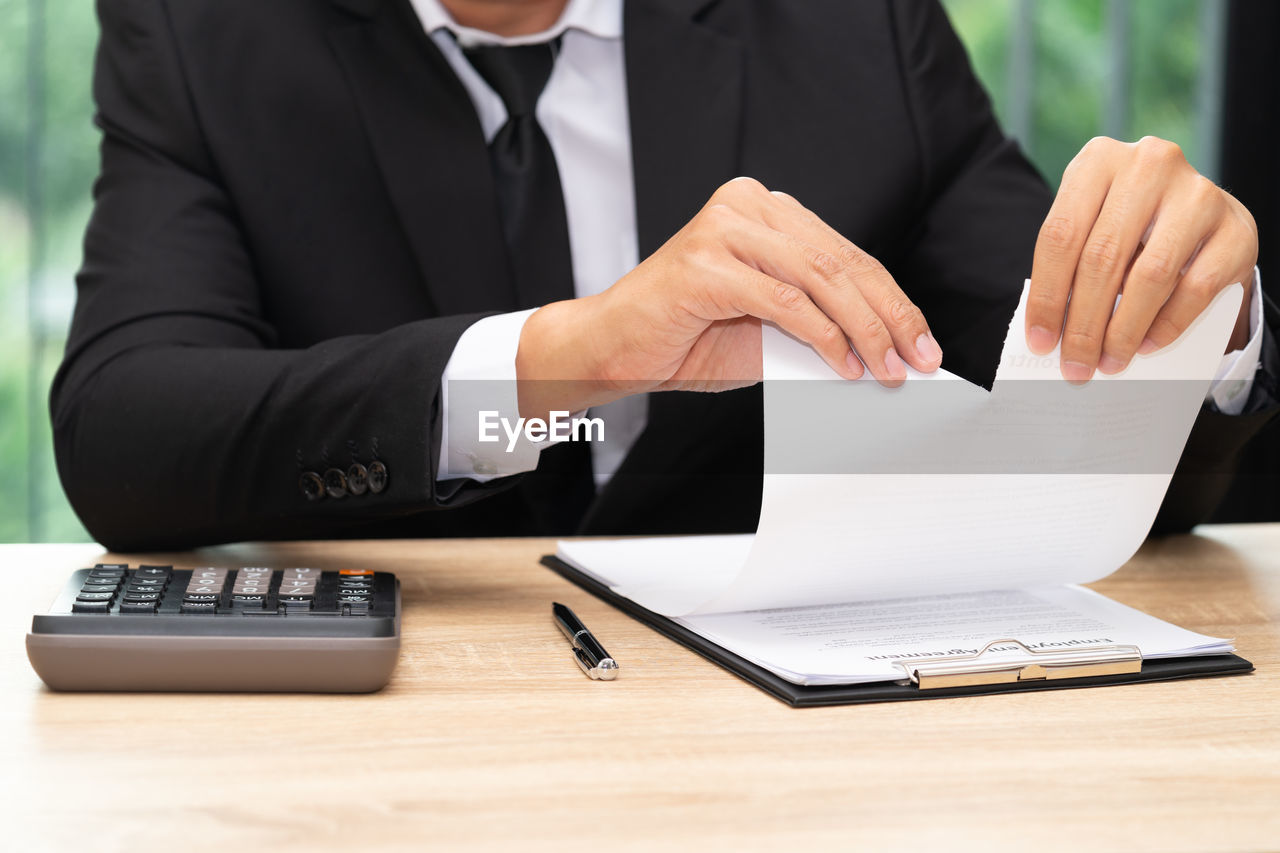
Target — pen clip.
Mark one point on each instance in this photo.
(584, 661)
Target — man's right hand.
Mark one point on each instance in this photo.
(688, 317)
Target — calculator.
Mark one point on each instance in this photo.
(217, 629)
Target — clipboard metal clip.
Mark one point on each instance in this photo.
(971, 669)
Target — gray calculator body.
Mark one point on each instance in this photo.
(155, 628)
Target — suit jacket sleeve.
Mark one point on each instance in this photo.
(176, 419)
(981, 208)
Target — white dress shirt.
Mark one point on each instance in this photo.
(583, 111)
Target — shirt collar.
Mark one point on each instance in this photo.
(600, 18)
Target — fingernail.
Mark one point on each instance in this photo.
(1109, 364)
(893, 366)
(1041, 340)
(1148, 346)
(1075, 372)
(855, 366)
(928, 348)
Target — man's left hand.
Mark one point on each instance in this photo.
(1134, 218)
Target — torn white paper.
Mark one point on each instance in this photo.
(1062, 484)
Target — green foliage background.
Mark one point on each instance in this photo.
(48, 159)
(1072, 66)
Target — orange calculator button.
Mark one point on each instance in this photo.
(355, 571)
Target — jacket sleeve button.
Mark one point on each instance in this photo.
(335, 483)
(377, 477)
(311, 486)
(357, 479)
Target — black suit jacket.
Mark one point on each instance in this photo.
(295, 221)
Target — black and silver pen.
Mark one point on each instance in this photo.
(587, 651)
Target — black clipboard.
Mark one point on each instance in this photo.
(802, 696)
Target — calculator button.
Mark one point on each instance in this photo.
(91, 607)
(106, 573)
(146, 583)
(101, 583)
(209, 607)
(301, 573)
(141, 596)
(95, 596)
(152, 571)
(355, 608)
(110, 567)
(248, 600)
(206, 582)
(128, 606)
(104, 583)
(253, 577)
(356, 572)
(196, 598)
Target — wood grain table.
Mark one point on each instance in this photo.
(489, 737)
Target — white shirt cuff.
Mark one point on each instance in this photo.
(478, 395)
(1231, 385)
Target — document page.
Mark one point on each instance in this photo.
(863, 642)
(938, 486)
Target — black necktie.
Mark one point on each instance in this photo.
(531, 202)
(524, 170)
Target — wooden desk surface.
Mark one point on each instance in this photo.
(489, 736)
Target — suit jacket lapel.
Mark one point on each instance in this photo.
(430, 148)
(685, 92)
